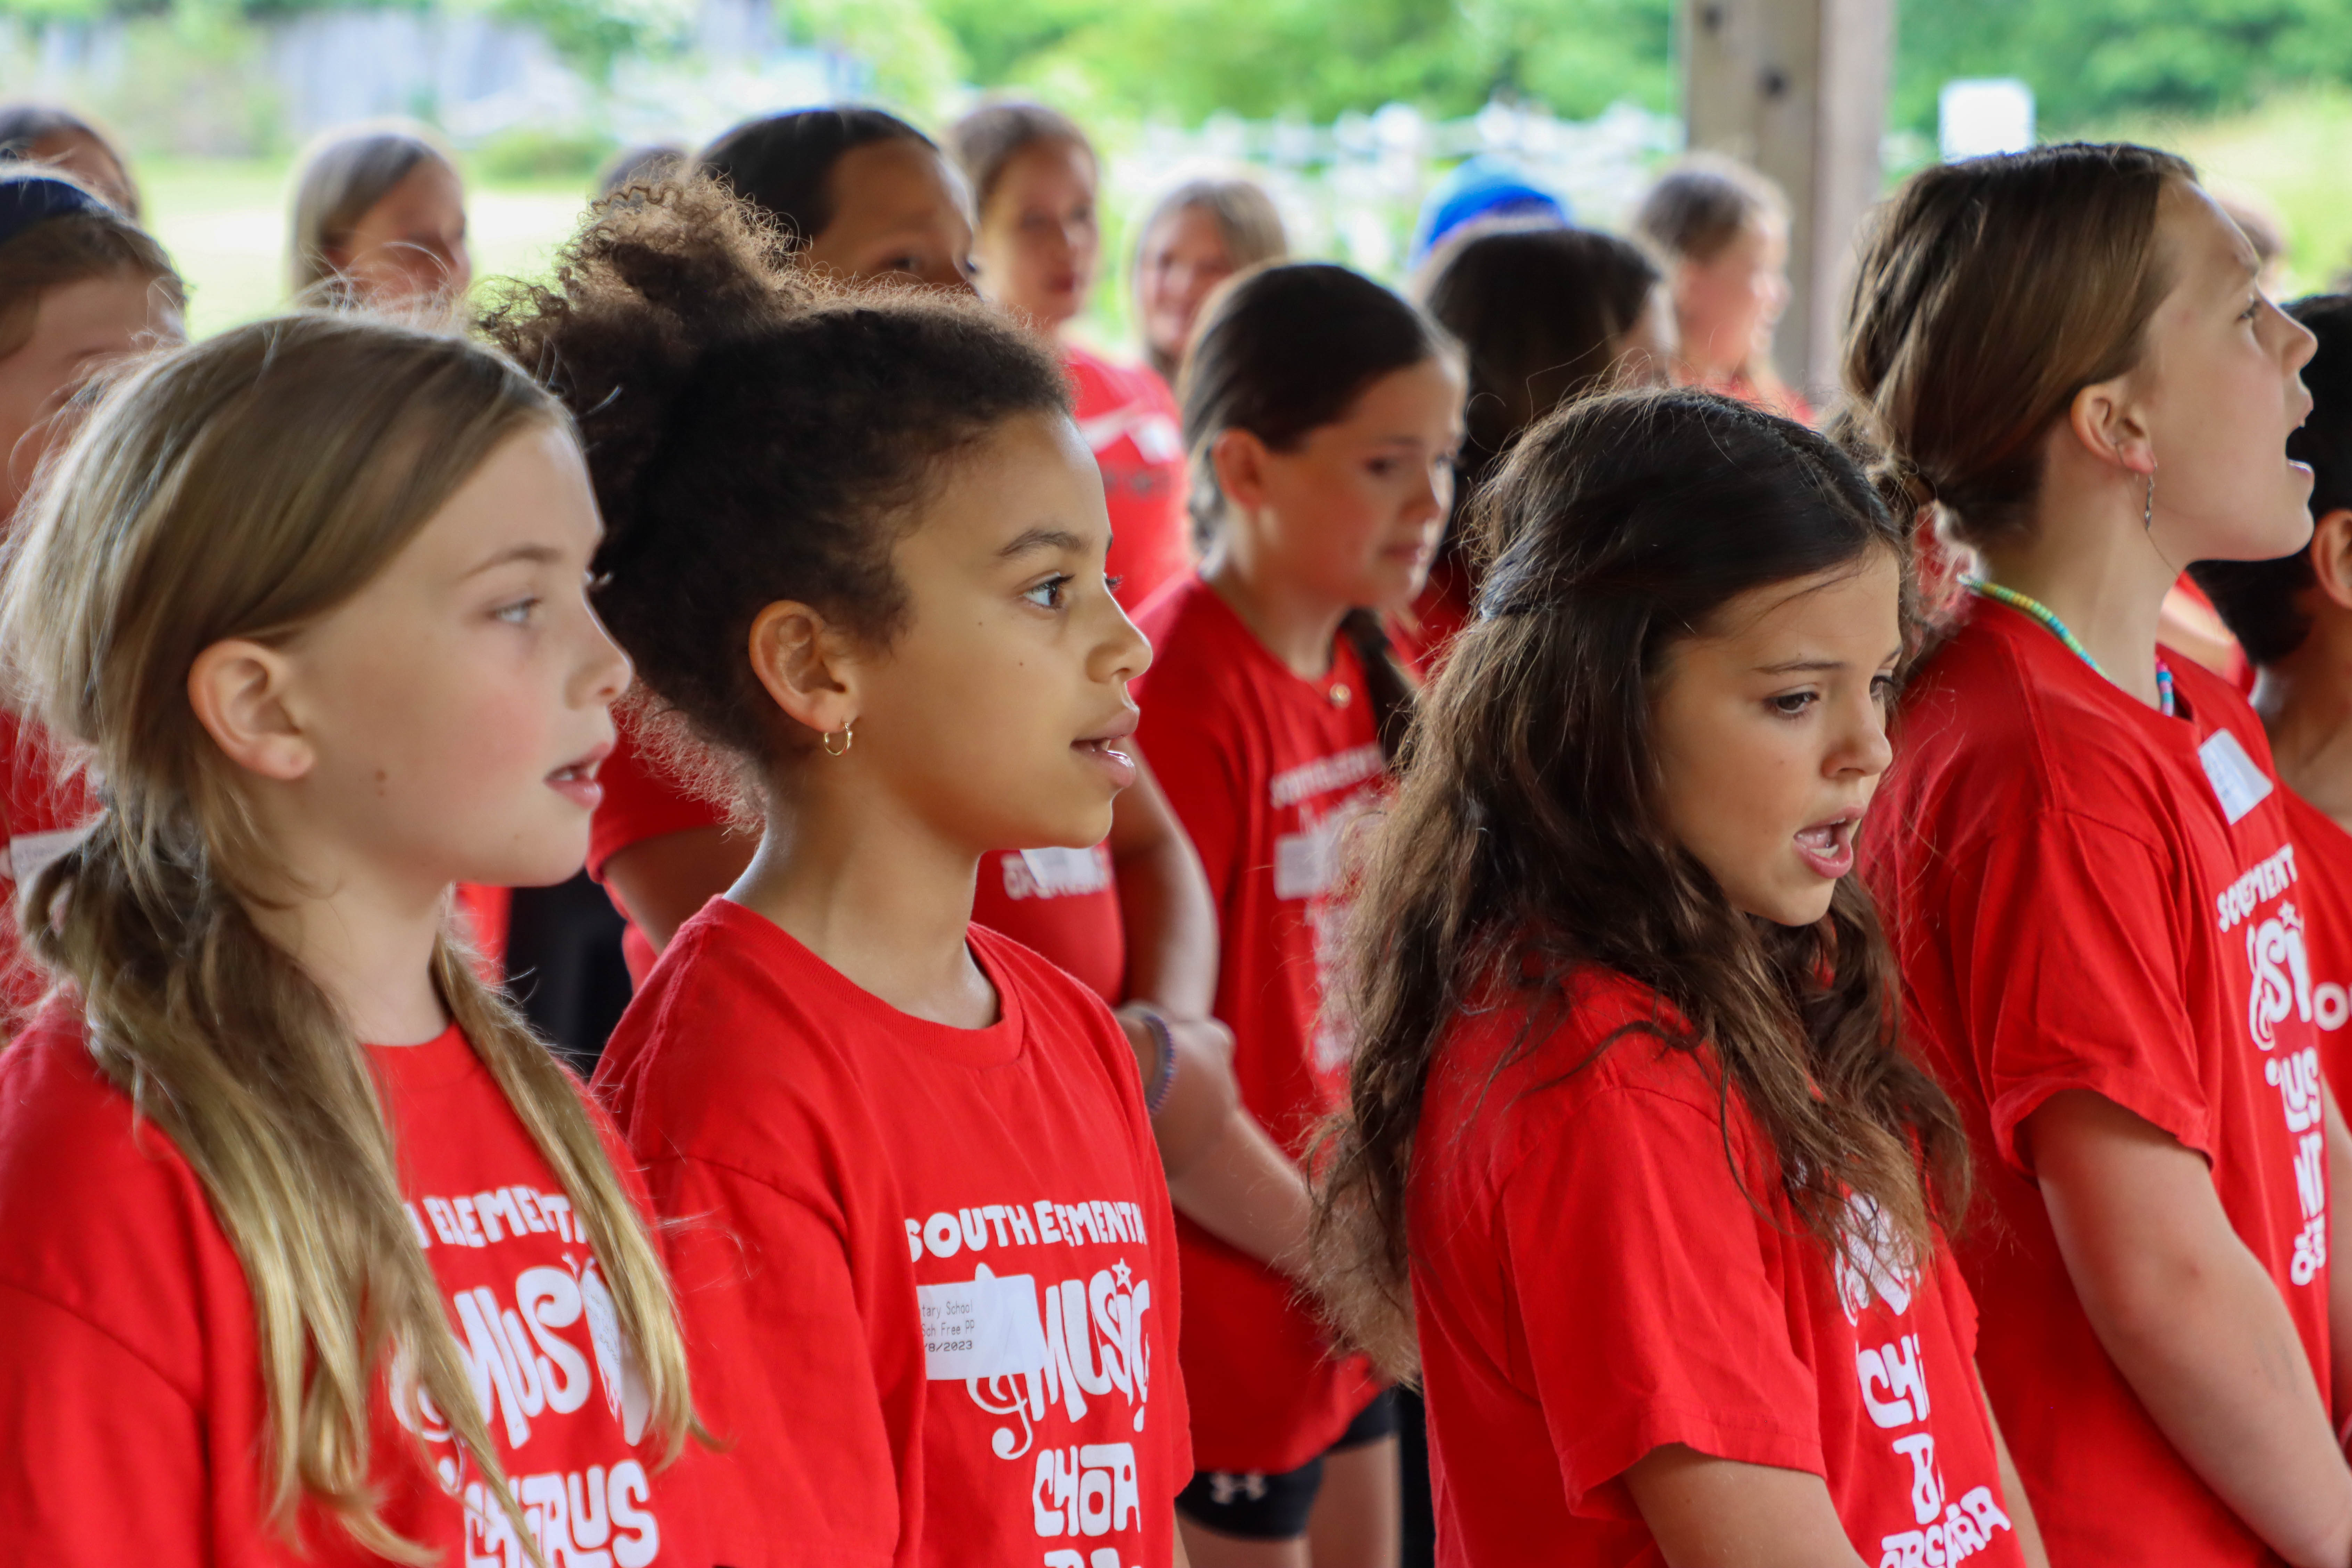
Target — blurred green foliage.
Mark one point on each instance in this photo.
(2090, 61)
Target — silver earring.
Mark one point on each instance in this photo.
(2148, 516)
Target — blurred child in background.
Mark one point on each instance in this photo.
(1723, 231)
(71, 145)
(1037, 248)
(380, 219)
(1544, 314)
(81, 286)
(1323, 412)
(1194, 238)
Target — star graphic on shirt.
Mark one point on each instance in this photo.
(1120, 1272)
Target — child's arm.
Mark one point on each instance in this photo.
(1708, 1513)
(1164, 898)
(665, 881)
(2014, 1501)
(2193, 1322)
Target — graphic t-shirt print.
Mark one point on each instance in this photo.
(1055, 1356)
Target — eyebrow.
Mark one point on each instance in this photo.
(1805, 666)
(1041, 538)
(536, 554)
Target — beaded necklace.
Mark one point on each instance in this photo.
(2027, 605)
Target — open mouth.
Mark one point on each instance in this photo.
(1102, 749)
(576, 780)
(1828, 847)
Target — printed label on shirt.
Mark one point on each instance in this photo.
(1324, 774)
(2237, 783)
(1056, 873)
(1305, 861)
(987, 1326)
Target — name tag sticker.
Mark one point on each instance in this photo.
(988, 1326)
(2237, 783)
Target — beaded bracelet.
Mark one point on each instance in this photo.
(1164, 1080)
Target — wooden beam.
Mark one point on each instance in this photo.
(1798, 87)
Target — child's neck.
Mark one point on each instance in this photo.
(1297, 626)
(2305, 703)
(2104, 579)
(368, 943)
(869, 889)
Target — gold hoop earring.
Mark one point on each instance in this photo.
(848, 739)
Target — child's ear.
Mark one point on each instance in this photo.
(239, 691)
(807, 664)
(1238, 457)
(2104, 420)
(2331, 555)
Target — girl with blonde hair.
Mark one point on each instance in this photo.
(315, 1251)
(380, 218)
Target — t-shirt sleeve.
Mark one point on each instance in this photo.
(818, 1442)
(2073, 978)
(1644, 1309)
(640, 802)
(1198, 768)
(121, 1477)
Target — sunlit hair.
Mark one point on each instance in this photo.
(340, 178)
(1987, 293)
(1246, 219)
(26, 126)
(246, 488)
(73, 248)
(1526, 839)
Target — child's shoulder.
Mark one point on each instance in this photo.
(1552, 1049)
(105, 1219)
(1062, 1013)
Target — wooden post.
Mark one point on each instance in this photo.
(1798, 87)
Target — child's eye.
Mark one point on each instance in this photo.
(519, 612)
(2253, 307)
(1382, 468)
(1110, 583)
(1048, 594)
(1790, 704)
(1881, 689)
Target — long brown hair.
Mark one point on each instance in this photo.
(1525, 840)
(244, 488)
(1989, 292)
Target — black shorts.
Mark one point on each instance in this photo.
(1259, 1507)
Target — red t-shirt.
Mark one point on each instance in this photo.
(874, 1208)
(41, 816)
(1266, 772)
(1128, 418)
(2086, 894)
(1063, 903)
(2323, 895)
(1443, 609)
(1591, 1282)
(128, 1358)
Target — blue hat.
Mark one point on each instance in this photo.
(36, 199)
(1481, 187)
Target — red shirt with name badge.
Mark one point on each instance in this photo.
(2086, 894)
(1130, 423)
(1063, 903)
(929, 1272)
(1593, 1280)
(2324, 883)
(130, 1375)
(1266, 771)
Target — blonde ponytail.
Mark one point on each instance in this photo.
(243, 488)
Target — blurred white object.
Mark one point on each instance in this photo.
(1978, 116)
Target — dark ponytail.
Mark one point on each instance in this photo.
(753, 435)
(1281, 353)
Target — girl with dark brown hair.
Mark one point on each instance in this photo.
(2086, 857)
(1630, 1140)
